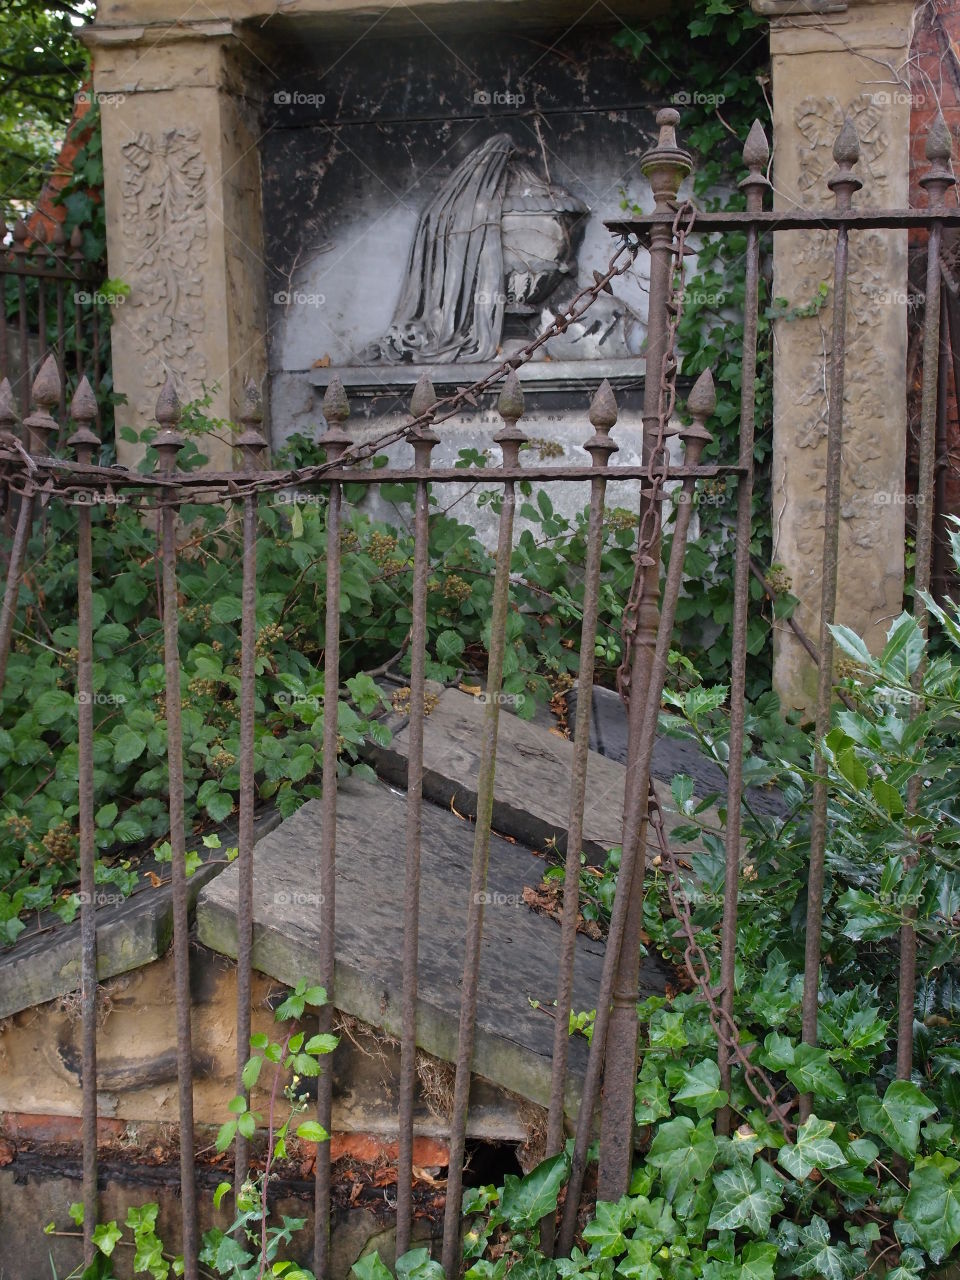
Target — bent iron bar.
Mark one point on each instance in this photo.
(510, 438)
(423, 441)
(846, 153)
(251, 444)
(83, 410)
(756, 153)
(603, 417)
(937, 183)
(168, 444)
(336, 410)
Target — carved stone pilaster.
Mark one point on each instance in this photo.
(826, 67)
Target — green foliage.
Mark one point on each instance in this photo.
(43, 66)
(714, 68)
(38, 715)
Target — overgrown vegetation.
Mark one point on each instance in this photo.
(38, 724)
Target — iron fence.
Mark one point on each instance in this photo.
(30, 469)
(49, 302)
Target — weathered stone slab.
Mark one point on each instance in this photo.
(608, 735)
(44, 965)
(532, 792)
(520, 949)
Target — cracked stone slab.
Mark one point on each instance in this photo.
(532, 788)
(520, 950)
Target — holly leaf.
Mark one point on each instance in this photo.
(896, 1118)
(933, 1206)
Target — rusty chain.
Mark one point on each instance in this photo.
(658, 464)
(698, 967)
(695, 961)
(622, 259)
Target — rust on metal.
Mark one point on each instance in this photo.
(756, 153)
(603, 417)
(424, 440)
(168, 444)
(83, 410)
(510, 438)
(843, 183)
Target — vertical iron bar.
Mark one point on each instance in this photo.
(20, 234)
(423, 441)
(336, 410)
(250, 443)
(8, 608)
(39, 429)
(168, 443)
(938, 567)
(603, 416)
(665, 166)
(59, 249)
(83, 409)
(936, 183)
(846, 153)
(756, 153)
(510, 406)
(701, 403)
(4, 269)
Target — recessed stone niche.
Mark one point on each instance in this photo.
(430, 202)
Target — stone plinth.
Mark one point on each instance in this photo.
(826, 66)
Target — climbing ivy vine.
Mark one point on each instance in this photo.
(714, 69)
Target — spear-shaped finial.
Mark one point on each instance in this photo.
(251, 440)
(756, 154)
(701, 402)
(83, 410)
(939, 150)
(846, 153)
(603, 416)
(46, 395)
(336, 410)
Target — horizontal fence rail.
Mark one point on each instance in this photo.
(34, 473)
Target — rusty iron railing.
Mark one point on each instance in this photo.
(31, 470)
(49, 302)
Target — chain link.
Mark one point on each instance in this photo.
(698, 967)
(658, 464)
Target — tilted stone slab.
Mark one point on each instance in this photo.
(532, 789)
(521, 949)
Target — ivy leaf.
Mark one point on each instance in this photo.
(933, 1206)
(747, 1198)
(683, 1152)
(758, 1260)
(418, 1265)
(526, 1200)
(369, 1267)
(897, 1117)
(814, 1149)
(105, 1237)
(818, 1257)
(701, 1088)
(449, 646)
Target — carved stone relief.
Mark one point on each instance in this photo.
(164, 229)
(494, 257)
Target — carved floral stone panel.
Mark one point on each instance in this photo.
(164, 231)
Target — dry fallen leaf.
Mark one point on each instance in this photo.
(322, 363)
